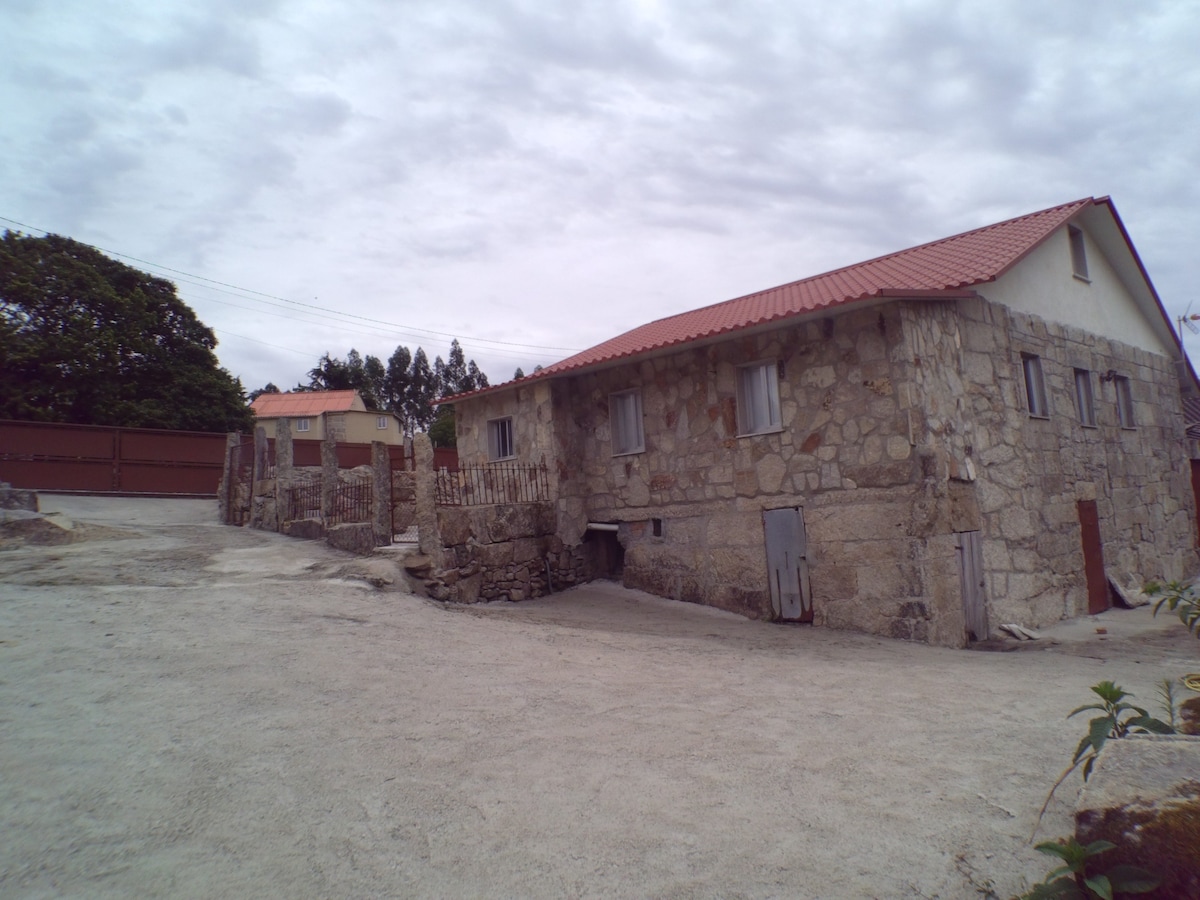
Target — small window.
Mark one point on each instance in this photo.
(301, 424)
(1124, 402)
(381, 423)
(625, 420)
(1084, 400)
(500, 438)
(1035, 386)
(758, 398)
(1078, 253)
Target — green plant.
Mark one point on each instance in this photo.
(1071, 879)
(1166, 699)
(1180, 599)
(1118, 719)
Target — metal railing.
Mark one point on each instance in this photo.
(493, 483)
(353, 499)
(304, 499)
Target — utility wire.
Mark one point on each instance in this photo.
(405, 329)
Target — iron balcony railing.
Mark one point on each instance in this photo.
(491, 484)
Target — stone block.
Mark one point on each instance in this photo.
(306, 529)
(454, 523)
(881, 474)
(1144, 796)
(355, 537)
(770, 472)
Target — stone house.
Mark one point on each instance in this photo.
(317, 415)
(976, 431)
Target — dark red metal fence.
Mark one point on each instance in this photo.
(100, 459)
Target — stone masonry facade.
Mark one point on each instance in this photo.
(903, 423)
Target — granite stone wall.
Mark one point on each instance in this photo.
(1033, 471)
(903, 424)
(502, 552)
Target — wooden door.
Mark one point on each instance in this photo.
(787, 564)
(970, 569)
(1093, 556)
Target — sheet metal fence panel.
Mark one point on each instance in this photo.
(100, 459)
(491, 484)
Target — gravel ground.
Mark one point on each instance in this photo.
(190, 710)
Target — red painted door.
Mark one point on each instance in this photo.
(1093, 556)
(1196, 491)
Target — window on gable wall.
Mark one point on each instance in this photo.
(500, 438)
(1078, 253)
(1084, 400)
(1124, 402)
(1035, 386)
(625, 422)
(758, 398)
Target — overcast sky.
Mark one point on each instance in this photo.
(536, 177)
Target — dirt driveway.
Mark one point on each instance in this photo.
(188, 710)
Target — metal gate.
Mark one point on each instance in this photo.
(787, 564)
(970, 569)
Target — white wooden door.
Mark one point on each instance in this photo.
(787, 564)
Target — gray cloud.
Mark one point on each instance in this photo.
(494, 169)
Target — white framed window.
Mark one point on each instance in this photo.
(625, 422)
(758, 398)
(1035, 386)
(381, 423)
(1084, 400)
(302, 424)
(1124, 402)
(1078, 253)
(500, 438)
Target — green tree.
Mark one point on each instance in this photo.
(476, 380)
(354, 373)
(269, 388)
(441, 432)
(422, 391)
(87, 339)
(396, 385)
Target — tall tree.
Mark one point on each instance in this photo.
(456, 374)
(85, 338)
(396, 384)
(422, 390)
(476, 380)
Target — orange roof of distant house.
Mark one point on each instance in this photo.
(944, 268)
(302, 403)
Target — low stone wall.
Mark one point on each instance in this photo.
(502, 552)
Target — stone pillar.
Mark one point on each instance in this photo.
(260, 453)
(429, 537)
(228, 478)
(283, 469)
(381, 469)
(329, 479)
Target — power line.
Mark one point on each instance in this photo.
(404, 329)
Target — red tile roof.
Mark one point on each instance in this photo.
(947, 265)
(302, 403)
